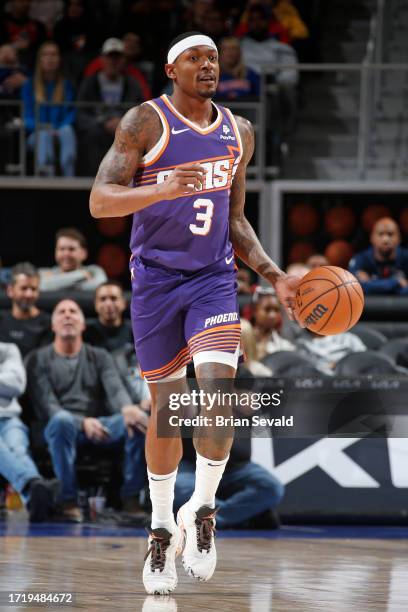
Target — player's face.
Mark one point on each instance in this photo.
(25, 291)
(68, 320)
(267, 313)
(109, 304)
(69, 254)
(385, 238)
(196, 71)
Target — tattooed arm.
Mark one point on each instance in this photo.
(243, 238)
(139, 130)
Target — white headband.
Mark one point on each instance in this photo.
(187, 43)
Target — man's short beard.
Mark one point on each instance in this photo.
(24, 306)
(207, 94)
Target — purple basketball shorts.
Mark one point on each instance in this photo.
(179, 316)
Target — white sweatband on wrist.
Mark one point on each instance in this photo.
(191, 41)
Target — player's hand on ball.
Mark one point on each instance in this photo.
(135, 418)
(286, 288)
(184, 179)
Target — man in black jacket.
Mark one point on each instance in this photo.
(117, 91)
(77, 392)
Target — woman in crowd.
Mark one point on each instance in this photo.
(46, 99)
(237, 81)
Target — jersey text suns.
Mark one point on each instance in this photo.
(218, 174)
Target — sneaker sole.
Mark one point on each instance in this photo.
(187, 568)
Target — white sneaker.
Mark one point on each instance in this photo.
(159, 572)
(199, 554)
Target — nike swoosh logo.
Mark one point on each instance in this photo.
(173, 131)
(160, 479)
(229, 259)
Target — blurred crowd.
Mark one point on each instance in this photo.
(108, 56)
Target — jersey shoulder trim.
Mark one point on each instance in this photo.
(236, 132)
(157, 151)
(194, 126)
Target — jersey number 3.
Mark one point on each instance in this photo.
(206, 217)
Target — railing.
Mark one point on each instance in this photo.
(360, 138)
(12, 127)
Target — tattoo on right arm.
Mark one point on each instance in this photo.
(139, 129)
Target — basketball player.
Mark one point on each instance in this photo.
(186, 158)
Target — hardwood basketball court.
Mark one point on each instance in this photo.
(295, 569)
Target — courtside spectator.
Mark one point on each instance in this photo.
(244, 280)
(25, 325)
(382, 269)
(113, 91)
(316, 260)
(324, 352)
(113, 333)
(259, 49)
(132, 64)
(25, 34)
(70, 271)
(247, 490)
(47, 12)
(110, 330)
(297, 269)
(78, 36)
(214, 25)
(12, 74)
(77, 393)
(267, 321)
(51, 92)
(16, 464)
(249, 347)
(237, 81)
(276, 29)
(12, 77)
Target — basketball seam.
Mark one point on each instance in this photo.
(314, 299)
(325, 292)
(332, 312)
(355, 290)
(351, 309)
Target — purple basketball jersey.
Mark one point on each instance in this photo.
(190, 232)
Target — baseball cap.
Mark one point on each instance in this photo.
(112, 45)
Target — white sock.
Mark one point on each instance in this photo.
(161, 488)
(208, 477)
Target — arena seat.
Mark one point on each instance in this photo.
(289, 363)
(367, 362)
(372, 338)
(393, 348)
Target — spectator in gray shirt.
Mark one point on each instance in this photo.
(77, 392)
(259, 49)
(70, 271)
(16, 465)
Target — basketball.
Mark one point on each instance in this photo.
(340, 221)
(329, 300)
(339, 252)
(303, 219)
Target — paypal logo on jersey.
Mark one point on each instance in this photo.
(226, 133)
(219, 173)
